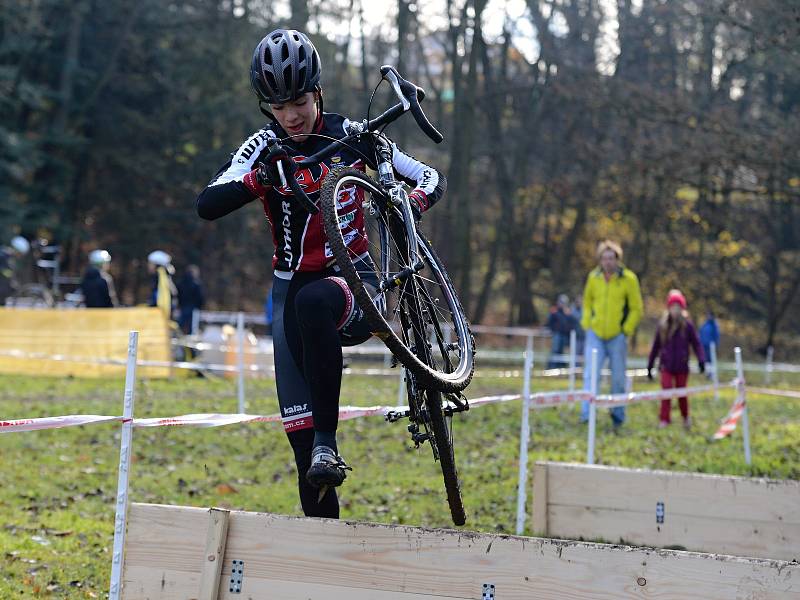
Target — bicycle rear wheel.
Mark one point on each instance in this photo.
(450, 365)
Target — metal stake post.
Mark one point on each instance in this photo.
(524, 438)
(748, 459)
(124, 466)
(196, 322)
(240, 337)
(592, 410)
(768, 366)
(715, 371)
(573, 343)
(401, 391)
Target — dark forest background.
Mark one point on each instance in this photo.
(682, 143)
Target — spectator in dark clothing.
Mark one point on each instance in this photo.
(560, 323)
(97, 284)
(576, 308)
(190, 298)
(674, 336)
(709, 332)
(9, 280)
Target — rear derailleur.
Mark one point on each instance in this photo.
(455, 403)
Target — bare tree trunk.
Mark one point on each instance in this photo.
(460, 155)
(300, 14)
(404, 17)
(364, 67)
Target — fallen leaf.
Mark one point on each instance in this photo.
(225, 488)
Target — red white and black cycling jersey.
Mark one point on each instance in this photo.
(299, 237)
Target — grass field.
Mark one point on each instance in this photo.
(57, 487)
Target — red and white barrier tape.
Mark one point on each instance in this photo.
(774, 392)
(728, 425)
(540, 400)
(623, 399)
(217, 420)
(13, 425)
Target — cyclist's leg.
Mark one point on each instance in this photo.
(321, 307)
(302, 442)
(295, 399)
(329, 317)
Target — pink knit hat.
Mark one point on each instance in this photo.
(676, 296)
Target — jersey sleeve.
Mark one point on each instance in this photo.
(235, 183)
(430, 184)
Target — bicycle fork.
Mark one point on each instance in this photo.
(399, 199)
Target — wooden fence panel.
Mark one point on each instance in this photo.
(289, 558)
(706, 513)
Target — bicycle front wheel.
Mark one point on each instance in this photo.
(442, 326)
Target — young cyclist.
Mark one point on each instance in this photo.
(314, 311)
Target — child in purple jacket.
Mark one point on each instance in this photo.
(674, 335)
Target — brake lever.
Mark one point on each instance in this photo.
(390, 75)
(281, 173)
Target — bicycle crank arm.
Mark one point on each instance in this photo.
(395, 415)
(397, 279)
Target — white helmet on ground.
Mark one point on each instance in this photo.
(99, 257)
(159, 258)
(20, 244)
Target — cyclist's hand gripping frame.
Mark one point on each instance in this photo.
(280, 157)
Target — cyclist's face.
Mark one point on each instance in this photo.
(298, 116)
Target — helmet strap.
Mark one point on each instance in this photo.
(266, 112)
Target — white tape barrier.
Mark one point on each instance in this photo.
(13, 425)
(208, 316)
(268, 369)
(607, 400)
(217, 420)
(774, 392)
(540, 400)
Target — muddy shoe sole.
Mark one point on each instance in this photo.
(325, 476)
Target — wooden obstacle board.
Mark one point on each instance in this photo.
(174, 552)
(707, 513)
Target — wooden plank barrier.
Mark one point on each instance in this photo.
(705, 513)
(265, 556)
(73, 342)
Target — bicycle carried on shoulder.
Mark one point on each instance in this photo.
(415, 309)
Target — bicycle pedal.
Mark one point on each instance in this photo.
(419, 438)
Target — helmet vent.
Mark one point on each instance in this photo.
(271, 83)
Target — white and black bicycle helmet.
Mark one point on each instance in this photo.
(285, 66)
